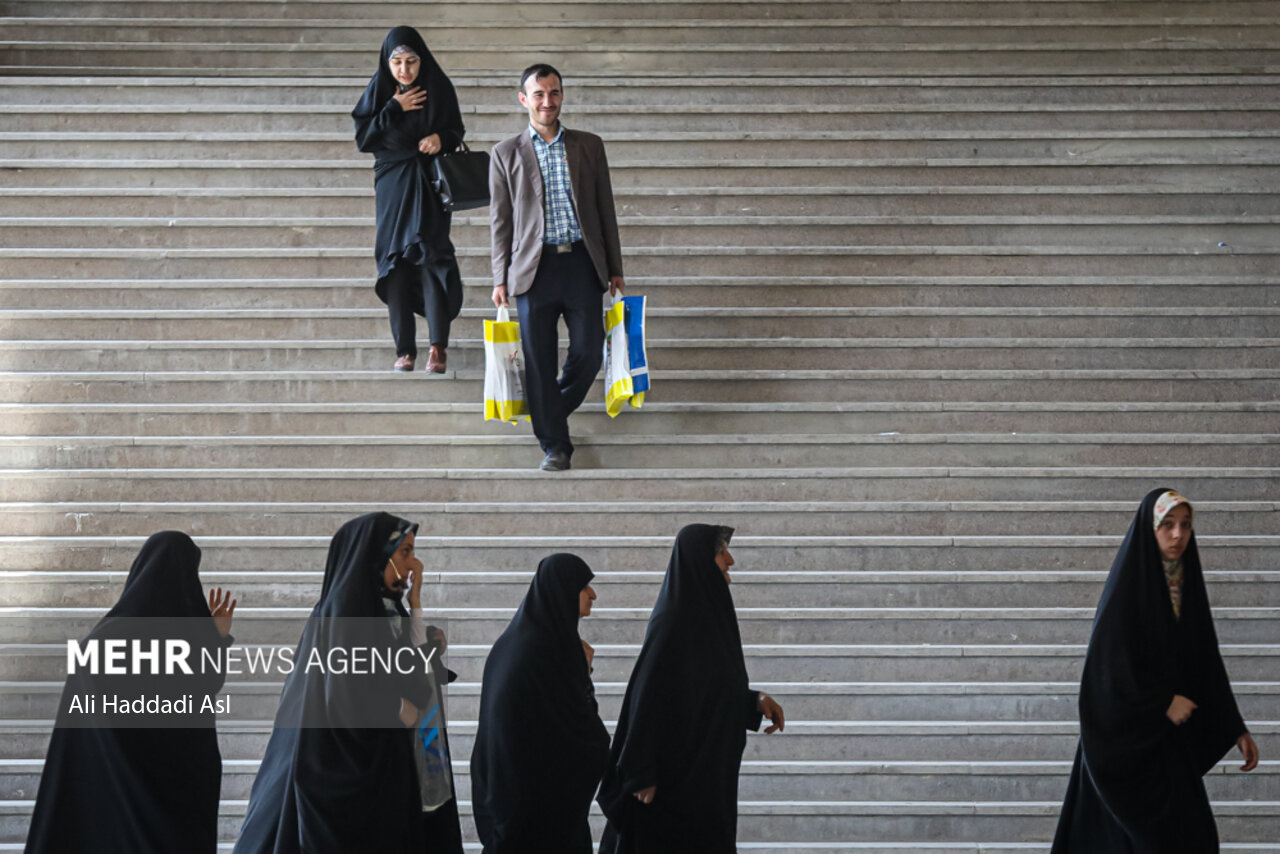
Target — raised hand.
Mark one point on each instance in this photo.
(222, 608)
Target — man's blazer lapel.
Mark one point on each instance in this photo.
(532, 169)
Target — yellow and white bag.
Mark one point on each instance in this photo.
(504, 398)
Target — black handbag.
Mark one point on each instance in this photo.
(461, 179)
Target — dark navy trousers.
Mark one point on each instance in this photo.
(566, 285)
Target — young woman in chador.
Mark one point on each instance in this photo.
(541, 747)
(339, 774)
(141, 782)
(671, 784)
(1156, 707)
(406, 117)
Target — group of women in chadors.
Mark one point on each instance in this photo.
(347, 767)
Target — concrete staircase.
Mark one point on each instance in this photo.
(938, 291)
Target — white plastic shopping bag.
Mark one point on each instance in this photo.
(504, 398)
(618, 387)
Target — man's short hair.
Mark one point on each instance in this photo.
(536, 71)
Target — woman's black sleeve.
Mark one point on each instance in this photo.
(370, 130)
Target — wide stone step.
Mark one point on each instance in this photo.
(485, 118)
(390, 418)
(874, 322)
(334, 204)
(970, 560)
(954, 483)
(836, 780)
(180, 170)
(823, 822)
(765, 582)
(638, 450)
(990, 11)
(663, 354)
(372, 354)
(1113, 51)
(843, 291)
(661, 261)
(1155, 146)
(638, 518)
(923, 636)
(1099, 231)
(881, 741)
(470, 14)
(739, 385)
(1241, 91)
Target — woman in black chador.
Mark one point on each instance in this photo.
(339, 774)
(141, 784)
(671, 785)
(407, 115)
(1156, 708)
(541, 747)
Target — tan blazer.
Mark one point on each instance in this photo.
(515, 208)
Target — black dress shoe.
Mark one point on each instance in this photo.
(555, 461)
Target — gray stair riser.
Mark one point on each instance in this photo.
(801, 785)
(798, 824)
(490, 12)
(818, 292)
(583, 485)
(369, 323)
(190, 172)
(227, 562)
(515, 454)
(252, 202)
(71, 419)
(586, 89)
(768, 629)
(748, 592)
(902, 743)
(709, 388)
(672, 292)
(475, 233)
(799, 829)
(468, 354)
(692, 261)
(891, 743)
(888, 58)
(1153, 148)
(336, 121)
(647, 522)
(789, 830)
(345, 41)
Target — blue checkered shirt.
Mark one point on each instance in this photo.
(560, 225)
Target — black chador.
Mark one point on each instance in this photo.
(412, 244)
(339, 775)
(145, 784)
(541, 747)
(684, 719)
(1137, 787)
